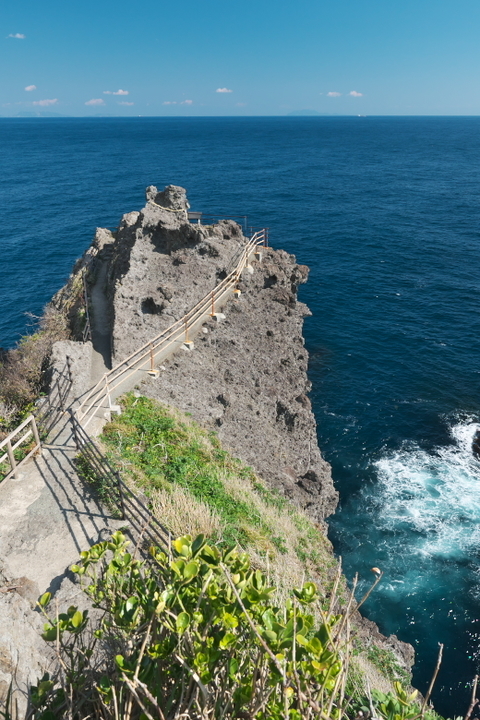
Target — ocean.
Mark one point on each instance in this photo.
(386, 212)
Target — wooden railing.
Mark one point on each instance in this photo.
(24, 434)
(145, 358)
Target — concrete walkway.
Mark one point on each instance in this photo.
(48, 516)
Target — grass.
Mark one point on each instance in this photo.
(103, 486)
(194, 485)
(385, 661)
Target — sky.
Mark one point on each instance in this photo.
(248, 57)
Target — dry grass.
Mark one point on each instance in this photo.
(183, 514)
(22, 369)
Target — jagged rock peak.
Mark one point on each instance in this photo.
(173, 197)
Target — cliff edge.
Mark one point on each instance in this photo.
(247, 377)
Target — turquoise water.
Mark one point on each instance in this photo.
(386, 212)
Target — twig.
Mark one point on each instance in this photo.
(432, 682)
(370, 590)
(133, 691)
(474, 700)
(194, 675)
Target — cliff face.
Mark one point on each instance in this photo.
(247, 377)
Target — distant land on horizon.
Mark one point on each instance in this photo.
(29, 115)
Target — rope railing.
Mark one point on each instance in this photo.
(144, 358)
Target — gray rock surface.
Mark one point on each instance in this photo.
(247, 378)
(161, 266)
(80, 355)
(24, 656)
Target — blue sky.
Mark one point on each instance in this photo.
(417, 57)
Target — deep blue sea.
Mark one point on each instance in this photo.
(386, 212)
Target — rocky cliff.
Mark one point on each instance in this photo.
(247, 377)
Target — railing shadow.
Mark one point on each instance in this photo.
(145, 529)
(76, 502)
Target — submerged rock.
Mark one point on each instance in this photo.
(476, 444)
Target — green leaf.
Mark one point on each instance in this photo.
(45, 599)
(77, 619)
(50, 633)
(183, 545)
(228, 640)
(182, 622)
(198, 543)
(191, 570)
(131, 604)
(178, 567)
(233, 668)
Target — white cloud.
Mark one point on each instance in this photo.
(95, 101)
(45, 103)
(169, 102)
(186, 102)
(29, 88)
(333, 94)
(223, 90)
(17, 36)
(116, 92)
(354, 93)
(124, 102)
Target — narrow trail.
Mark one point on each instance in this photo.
(48, 515)
(102, 349)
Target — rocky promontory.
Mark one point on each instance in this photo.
(247, 377)
(246, 380)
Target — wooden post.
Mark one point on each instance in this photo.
(35, 433)
(152, 363)
(11, 458)
(107, 390)
(186, 330)
(213, 303)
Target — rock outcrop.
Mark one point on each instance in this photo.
(247, 378)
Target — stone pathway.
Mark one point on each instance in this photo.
(48, 516)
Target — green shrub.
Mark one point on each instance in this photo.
(195, 634)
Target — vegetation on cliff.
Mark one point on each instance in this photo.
(196, 633)
(24, 369)
(195, 486)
